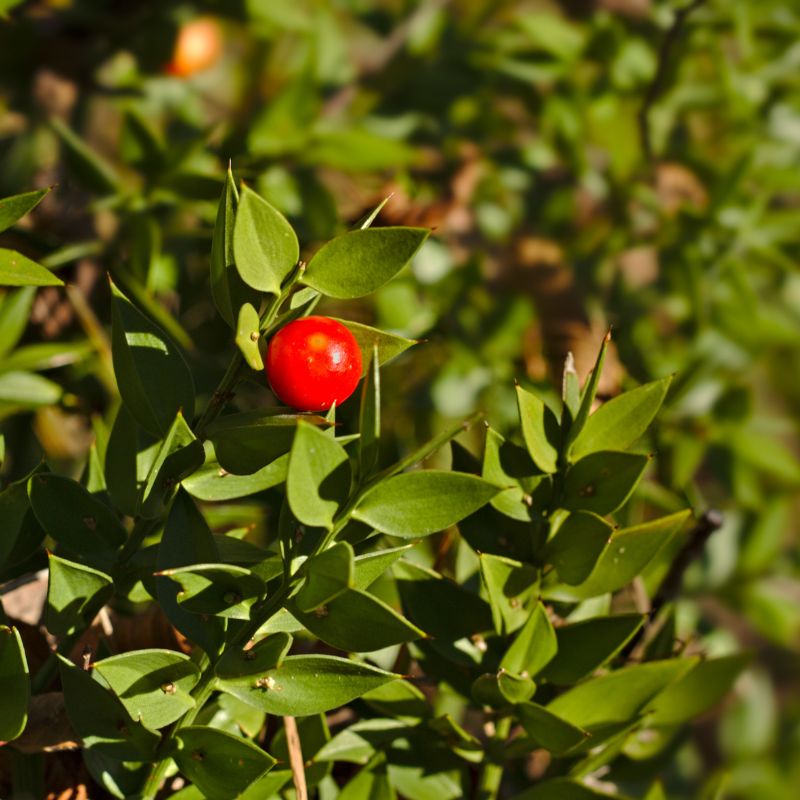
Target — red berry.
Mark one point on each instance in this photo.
(313, 363)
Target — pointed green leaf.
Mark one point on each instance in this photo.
(249, 441)
(15, 311)
(602, 482)
(370, 566)
(618, 696)
(28, 390)
(327, 575)
(72, 516)
(154, 380)
(511, 586)
(153, 685)
(15, 684)
(267, 654)
(318, 480)
(221, 765)
(357, 622)
(307, 685)
(247, 336)
(588, 394)
(369, 420)
(16, 207)
(620, 422)
(75, 594)
(399, 699)
(222, 590)
(17, 270)
(229, 291)
(539, 430)
(577, 545)
(389, 344)
(423, 502)
(265, 246)
(359, 262)
(533, 646)
(547, 729)
(101, 720)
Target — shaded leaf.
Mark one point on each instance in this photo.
(602, 482)
(547, 729)
(539, 430)
(15, 684)
(327, 575)
(577, 544)
(75, 594)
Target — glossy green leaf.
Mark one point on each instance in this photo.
(230, 293)
(247, 336)
(697, 691)
(389, 344)
(223, 590)
(533, 647)
(627, 553)
(153, 685)
(588, 644)
(511, 586)
(266, 654)
(15, 684)
(547, 729)
(357, 622)
(369, 418)
(186, 541)
(422, 502)
(318, 480)
(154, 380)
(369, 567)
(28, 390)
(619, 696)
(620, 422)
(247, 442)
(75, 594)
(220, 764)
(539, 430)
(101, 720)
(72, 516)
(15, 310)
(17, 270)
(179, 455)
(265, 246)
(358, 262)
(327, 575)
(91, 170)
(307, 685)
(602, 482)
(16, 207)
(578, 543)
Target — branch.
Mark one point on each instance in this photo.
(657, 85)
(296, 757)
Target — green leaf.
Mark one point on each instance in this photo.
(548, 730)
(220, 764)
(213, 482)
(153, 378)
(186, 541)
(28, 390)
(101, 720)
(370, 566)
(327, 575)
(92, 171)
(47, 355)
(15, 684)
(576, 546)
(229, 291)
(318, 480)
(179, 455)
(534, 645)
(389, 345)
(265, 655)
(602, 482)
(588, 394)
(586, 645)
(72, 516)
(75, 594)
(699, 690)
(247, 442)
(369, 419)
(17, 270)
(359, 262)
(619, 696)
(511, 585)
(563, 789)
(307, 685)
(498, 690)
(16, 207)
(153, 685)
(618, 423)
(357, 743)
(222, 590)
(20, 527)
(15, 310)
(627, 553)
(398, 699)
(357, 622)
(247, 336)
(539, 430)
(422, 502)
(265, 246)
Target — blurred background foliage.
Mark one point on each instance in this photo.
(587, 163)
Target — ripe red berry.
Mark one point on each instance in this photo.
(313, 363)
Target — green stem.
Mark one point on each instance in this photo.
(492, 773)
(221, 395)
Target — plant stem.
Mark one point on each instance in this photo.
(221, 395)
(492, 773)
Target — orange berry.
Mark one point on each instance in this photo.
(198, 46)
